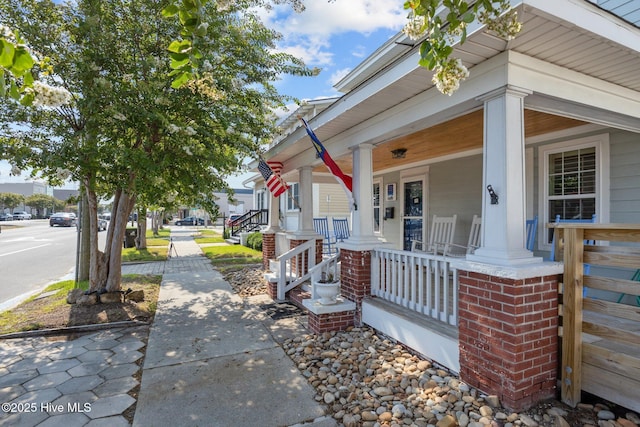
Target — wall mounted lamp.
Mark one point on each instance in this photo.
(398, 153)
(493, 195)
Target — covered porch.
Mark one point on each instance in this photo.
(530, 112)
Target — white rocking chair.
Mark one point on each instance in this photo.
(440, 238)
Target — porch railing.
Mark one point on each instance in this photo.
(420, 282)
(294, 266)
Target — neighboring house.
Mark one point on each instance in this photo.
(550, 120)
(243, 201)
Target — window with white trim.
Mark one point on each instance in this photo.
(293, 197)
(574, 174)
(377, 225)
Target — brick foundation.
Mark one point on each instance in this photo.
(508, 337)
(268, 249)
(272, 290)
(355, 278)
(319, 323)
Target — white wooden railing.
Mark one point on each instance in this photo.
(293, 267)
(417, 281)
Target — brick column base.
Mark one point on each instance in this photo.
(272, 290)
(355, 278)
(268, 249)
(319, 323)
(508, 334)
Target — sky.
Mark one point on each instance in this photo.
(334, 36)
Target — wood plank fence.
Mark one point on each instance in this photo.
(600, 338)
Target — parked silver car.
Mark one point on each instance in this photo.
(21, 215)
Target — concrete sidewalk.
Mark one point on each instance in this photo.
(213, 359)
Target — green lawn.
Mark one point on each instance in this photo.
(232, 254)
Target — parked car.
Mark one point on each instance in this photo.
(63, 219)
(102, 224)
(6, 217)
(190, 220)
(232, 218)
(21, 215)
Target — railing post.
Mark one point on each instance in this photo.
(571, 385)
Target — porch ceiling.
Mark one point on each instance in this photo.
(435, 142)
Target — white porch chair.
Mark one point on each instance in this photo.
(474, 239)
(440, 238)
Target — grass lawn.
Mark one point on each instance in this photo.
(232, 254)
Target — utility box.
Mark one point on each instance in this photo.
(130, 237)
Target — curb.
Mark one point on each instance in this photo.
(83, 328)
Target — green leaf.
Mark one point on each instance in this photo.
(14, 92)
(7, 50)
(179, 46)
(176, 64)
(179, 81)
(28, 79)
(22, 61)
(170, 11)
(3, 84)
(27, 99)
(201, 30)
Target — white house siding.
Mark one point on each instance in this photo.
(455, 187)
(625, 177)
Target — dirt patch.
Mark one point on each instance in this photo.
(51, 311)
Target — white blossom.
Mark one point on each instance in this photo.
(415, 28)
(187, 150)
(120, 116)
(173, 128)
(49, 96)
(448, 76)
(190, 131)
(63, 174)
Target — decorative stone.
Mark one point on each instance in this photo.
(493, 401)
(91, 299)
(606, 415)
(446, 421)
(136, 296)
(110, 297)
(73, 295)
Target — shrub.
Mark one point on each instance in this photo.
(254, 241)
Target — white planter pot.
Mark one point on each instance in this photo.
(327, 292)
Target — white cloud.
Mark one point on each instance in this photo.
(338, 75)
(307, 35)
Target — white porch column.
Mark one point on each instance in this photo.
(362, 236)
(305, 217)
(274, 213)
(503, 224)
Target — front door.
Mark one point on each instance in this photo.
(412, 194)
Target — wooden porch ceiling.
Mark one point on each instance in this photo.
(455, 136)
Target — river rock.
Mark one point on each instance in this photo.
(135, 296)
(73, 295)
(111, 297)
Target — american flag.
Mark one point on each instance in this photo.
(274, 181)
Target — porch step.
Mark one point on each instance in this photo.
(233, 240)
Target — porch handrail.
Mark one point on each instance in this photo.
(302, 257)
(419, 281)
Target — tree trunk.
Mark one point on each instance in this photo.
(123, 204)
(141, 237)
(84, 265)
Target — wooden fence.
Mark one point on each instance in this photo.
(600, 338)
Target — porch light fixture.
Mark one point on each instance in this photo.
(398, 153)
